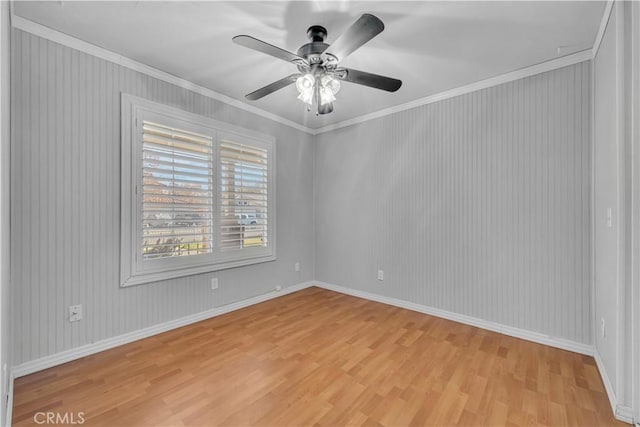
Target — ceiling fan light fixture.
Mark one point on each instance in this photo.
(305, 82)
(306, 96)
(326, 95)
(330, 83)
(305, 85)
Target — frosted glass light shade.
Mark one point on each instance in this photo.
(306, 96)
(305, 82)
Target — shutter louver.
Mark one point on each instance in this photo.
(243, 196)
(177, 192)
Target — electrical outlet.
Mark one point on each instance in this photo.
(214, 283)
(602, 329)
(381, 275)
(278, 288)
(296, 266)
(75, 313)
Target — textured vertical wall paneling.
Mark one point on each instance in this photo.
(478, 204)
(606, 192)
(66, 203)
(615, 188)
(5, 231)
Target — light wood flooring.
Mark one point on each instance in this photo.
(317, 357)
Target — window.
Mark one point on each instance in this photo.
(243, 203)
(197, 195)
(177, 192)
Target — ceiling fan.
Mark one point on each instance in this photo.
(319, 75)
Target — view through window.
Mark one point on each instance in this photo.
(197, 194)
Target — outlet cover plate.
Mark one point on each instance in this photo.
(75, 313)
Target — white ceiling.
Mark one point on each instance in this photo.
(431, 46)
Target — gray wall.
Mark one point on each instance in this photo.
(5, 307)
(478, 204)
(606, 195)
(616, 187)
(633, 72)
(66, 203)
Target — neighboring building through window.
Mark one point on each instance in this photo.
(197, 195)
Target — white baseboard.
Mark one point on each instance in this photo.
(620, 412)
(9, 408)
(86, 350)
(624, 413)
(468, 320)
(605, 379)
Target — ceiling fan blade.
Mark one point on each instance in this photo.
(269, 49)
(360, 32)
(368, 79)
(264, 91)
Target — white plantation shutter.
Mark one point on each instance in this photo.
(197, 194)
(243, 196)
(177, 192)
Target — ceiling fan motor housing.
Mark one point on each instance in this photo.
(316, 33)
(312, 52)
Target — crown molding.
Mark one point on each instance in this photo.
(603, 26)
(542, 67)
(56, 36)
(40, 30)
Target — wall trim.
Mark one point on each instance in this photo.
(96, 347)
(621, 336)
(606, 381)
(524, 334)
(9, 409)
(624, 413)
(620, 412)
(542, 67)
(55, 36)
(603, 26)
(635, 210)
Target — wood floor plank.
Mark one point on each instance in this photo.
(320, 358)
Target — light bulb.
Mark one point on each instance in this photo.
(305, 82)
(330, 83)
(306, 95)
(326, 95)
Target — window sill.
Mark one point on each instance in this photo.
(142, 278)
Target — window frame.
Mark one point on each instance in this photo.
(133, 269)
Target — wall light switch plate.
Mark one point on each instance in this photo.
(75, 313)
(214, 283)
(296, 266)
(380, 274)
